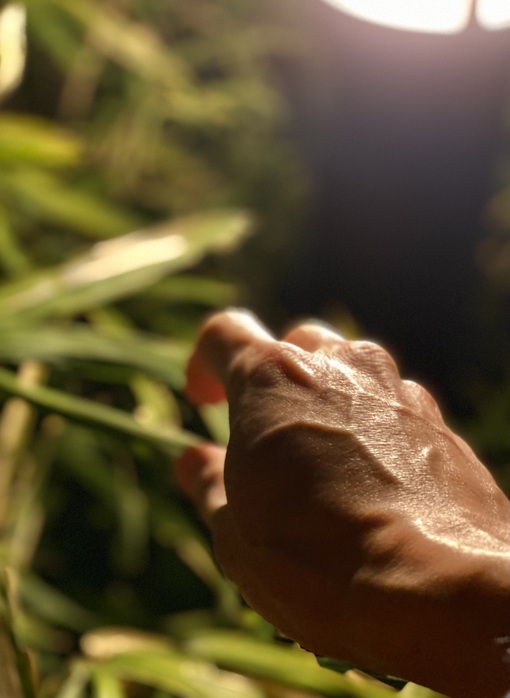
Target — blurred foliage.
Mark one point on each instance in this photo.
(140, 141)
(174, 113)
(489, 394)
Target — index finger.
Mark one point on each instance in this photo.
(222, 337)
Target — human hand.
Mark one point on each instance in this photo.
(347, 512)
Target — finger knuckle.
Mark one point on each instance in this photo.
(262, 366)
(253, 365)
(372, 354)
(419, 395)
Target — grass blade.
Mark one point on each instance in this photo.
(10, 684)
(36, 141)
(171, 671)
(291, 667)
(162, 359)
(76, 684)
(17, 677)
(169, 440)
(107, 685)
(121, 267)
(57, 203)
(128, 43)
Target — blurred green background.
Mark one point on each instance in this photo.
(148, 174)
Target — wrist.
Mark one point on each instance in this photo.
(448, 609)
(474, 642)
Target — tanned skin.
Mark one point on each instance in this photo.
(347, 512)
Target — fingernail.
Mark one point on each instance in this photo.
(246, 319)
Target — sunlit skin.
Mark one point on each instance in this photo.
(347, 512)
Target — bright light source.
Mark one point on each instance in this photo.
(436, 16)
(12, 46)
(432, 16)
(493, 14)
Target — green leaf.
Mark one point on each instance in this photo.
(14, 658)
(107, 685)
(10, 680)
(130, 44)
(180, 675)
(168, 440)
(121, 267)
(46, 197)
(76, 684)
(49, 27)
(132, 509)
(52, 605)
(155, 403)
(215, 418)
(192, 288)
(27, 139)
(163, 359)
(13, 259)
(289, 666)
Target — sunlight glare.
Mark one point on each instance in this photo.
(12, 46)
(493, 14)
(436, 16)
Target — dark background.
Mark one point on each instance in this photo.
(402, 133)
